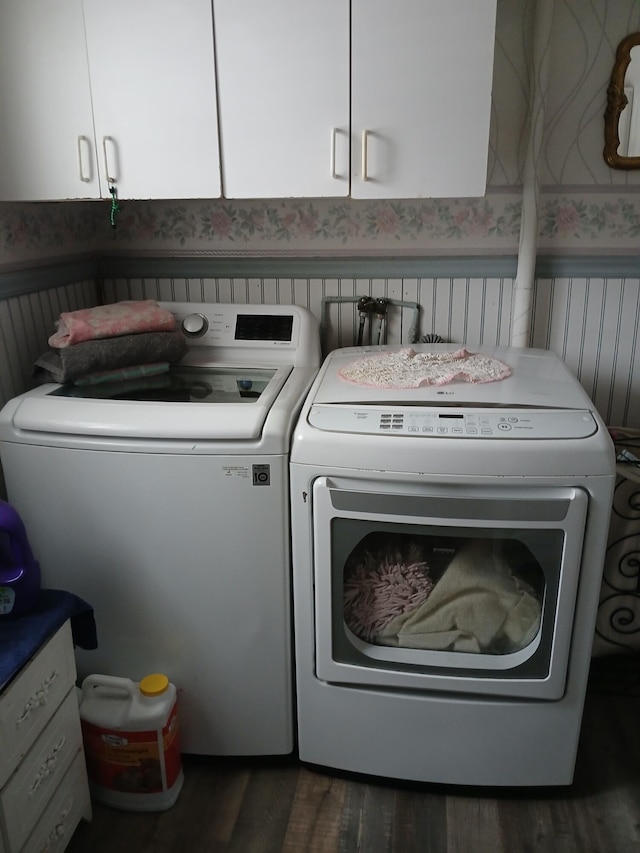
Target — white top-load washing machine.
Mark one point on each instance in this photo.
(167, 509)
(449, 519)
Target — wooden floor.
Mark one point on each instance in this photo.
(255, 806)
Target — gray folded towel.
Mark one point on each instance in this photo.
(71, 363)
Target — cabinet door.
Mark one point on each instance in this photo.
(46, 126)
(421, 97)
(283, 89)
(154, 96)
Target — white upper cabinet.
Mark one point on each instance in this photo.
(322, 98)
(421, 76)
(97, 93)
(373, 98)
(152, 73)
(47, 148)
(283, 72)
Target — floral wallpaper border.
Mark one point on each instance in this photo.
(568, 223)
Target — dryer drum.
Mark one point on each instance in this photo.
(486, 598)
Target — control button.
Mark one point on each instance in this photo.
(513, 420)
(486, 431)
(195, 325)
(414, 429)
(504, 427)
(442, 430)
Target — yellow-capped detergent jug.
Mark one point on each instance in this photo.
(131, 741)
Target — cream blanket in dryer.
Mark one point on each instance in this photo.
(478, 605)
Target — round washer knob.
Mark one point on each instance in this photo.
(195, 325)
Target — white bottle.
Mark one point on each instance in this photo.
(131, 743)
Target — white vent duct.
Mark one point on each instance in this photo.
(525, 274)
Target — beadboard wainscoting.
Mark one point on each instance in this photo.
(458, 309)
(587, 311)
(593, 323)
(29, 308)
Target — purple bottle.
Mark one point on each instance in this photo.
(19, 571)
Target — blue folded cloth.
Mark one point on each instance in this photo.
(20, 638)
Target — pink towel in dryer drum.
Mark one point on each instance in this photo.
(109, 321)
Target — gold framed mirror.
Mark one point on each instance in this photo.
(622, 115)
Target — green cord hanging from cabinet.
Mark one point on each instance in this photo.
(115, 207)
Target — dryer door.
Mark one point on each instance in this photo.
(446, 587)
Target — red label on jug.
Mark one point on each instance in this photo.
(146, 762)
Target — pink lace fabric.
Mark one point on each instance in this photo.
(109, 321)
(407, 368)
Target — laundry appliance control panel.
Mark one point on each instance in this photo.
(227, 325)
(241, 333)
(459, 423)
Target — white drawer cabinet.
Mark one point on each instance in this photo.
(44, 790)
(32, 699)
(68, 805)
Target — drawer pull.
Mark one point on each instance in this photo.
(48, 766)
(39, 698)
(59, 830)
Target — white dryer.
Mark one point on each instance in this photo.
(448, 544)
(167, 509)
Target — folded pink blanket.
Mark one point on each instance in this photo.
(110, 321)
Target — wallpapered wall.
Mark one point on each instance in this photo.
(585, 206)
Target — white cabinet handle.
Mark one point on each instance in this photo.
(59, 830)
(82, 142)
(334, 133)
(38, 700)
(110, 178)
(365, 140)
(48, 766)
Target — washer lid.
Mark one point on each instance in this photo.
(197, 403)
(180, 384)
